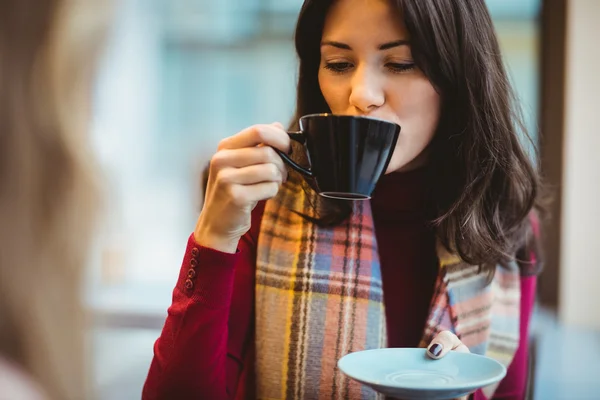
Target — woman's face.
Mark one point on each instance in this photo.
(367, 69)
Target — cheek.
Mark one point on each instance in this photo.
(418, 112)
(334, 92)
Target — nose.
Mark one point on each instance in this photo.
(367, 91)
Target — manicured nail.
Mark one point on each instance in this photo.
(435, 349)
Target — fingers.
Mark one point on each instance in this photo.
(250, 175)
(245, 157)
(270, 135)
(242, 195)
(443, 343)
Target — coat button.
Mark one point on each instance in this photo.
(195, 252)
(191, 274)
(193, 262)
(189, 284)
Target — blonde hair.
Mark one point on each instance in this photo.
(48, 191)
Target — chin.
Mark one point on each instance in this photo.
(405, 166)
(396, 163)
(393, 167)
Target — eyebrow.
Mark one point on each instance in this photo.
(384, 46)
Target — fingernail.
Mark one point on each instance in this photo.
(435, 349)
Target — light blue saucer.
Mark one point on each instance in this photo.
(410, 374)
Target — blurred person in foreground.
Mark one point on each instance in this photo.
(48, 193)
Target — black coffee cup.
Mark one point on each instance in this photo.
(347, 154)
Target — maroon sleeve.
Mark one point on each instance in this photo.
(513, 386)
(200, 350)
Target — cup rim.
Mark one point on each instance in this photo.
(346, 116)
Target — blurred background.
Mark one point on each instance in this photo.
(179, 75)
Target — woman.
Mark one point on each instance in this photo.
(47, 194)
(277, 284)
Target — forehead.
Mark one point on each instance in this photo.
(364, 20)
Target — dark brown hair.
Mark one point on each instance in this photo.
(483, 184)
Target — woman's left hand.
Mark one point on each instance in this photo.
(442, 343)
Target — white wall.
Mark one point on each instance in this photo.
(580, 261)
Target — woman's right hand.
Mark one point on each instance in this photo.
(244, 171)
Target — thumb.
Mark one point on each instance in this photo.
(443, 343)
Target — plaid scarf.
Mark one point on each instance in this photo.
(319, 297)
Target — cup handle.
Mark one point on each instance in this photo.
(298, 137)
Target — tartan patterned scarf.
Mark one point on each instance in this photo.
(319, 297)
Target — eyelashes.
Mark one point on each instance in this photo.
(400, 67)
(338, 67)
(342, 67)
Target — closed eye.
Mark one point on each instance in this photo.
(400, 67)
(341, 67)
(338, 67)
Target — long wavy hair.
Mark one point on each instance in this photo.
(483, 184)
(48, 186)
